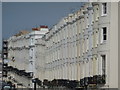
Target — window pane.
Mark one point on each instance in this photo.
(103, 64)
(104, 33)
(104, 8)
(104, 37)
(104, 30)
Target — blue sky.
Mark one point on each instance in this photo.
(18, 16)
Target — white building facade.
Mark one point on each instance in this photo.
(79, 47)
(82, 46)
(22, 51)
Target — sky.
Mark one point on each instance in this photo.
(18, 16)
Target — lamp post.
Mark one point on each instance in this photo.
(34, 81)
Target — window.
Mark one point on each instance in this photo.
(103, 34)
(103, 64)
(104, 8)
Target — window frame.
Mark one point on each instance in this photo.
(102, 35)
(104, 14)
(103, 66)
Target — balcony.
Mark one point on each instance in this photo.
(19, 72)
(39, 82)
(95, 80)
(61, 82)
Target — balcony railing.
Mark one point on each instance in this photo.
(97, 79)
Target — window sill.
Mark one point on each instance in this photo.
(103, 15)
(104, 42)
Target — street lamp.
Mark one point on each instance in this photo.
(34, 81)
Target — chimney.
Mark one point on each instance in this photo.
(35, 29)
(43, 26)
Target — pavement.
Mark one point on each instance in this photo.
(0, 84)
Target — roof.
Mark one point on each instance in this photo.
(23, 32)
(39, 28)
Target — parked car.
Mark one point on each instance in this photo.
(8, 86)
